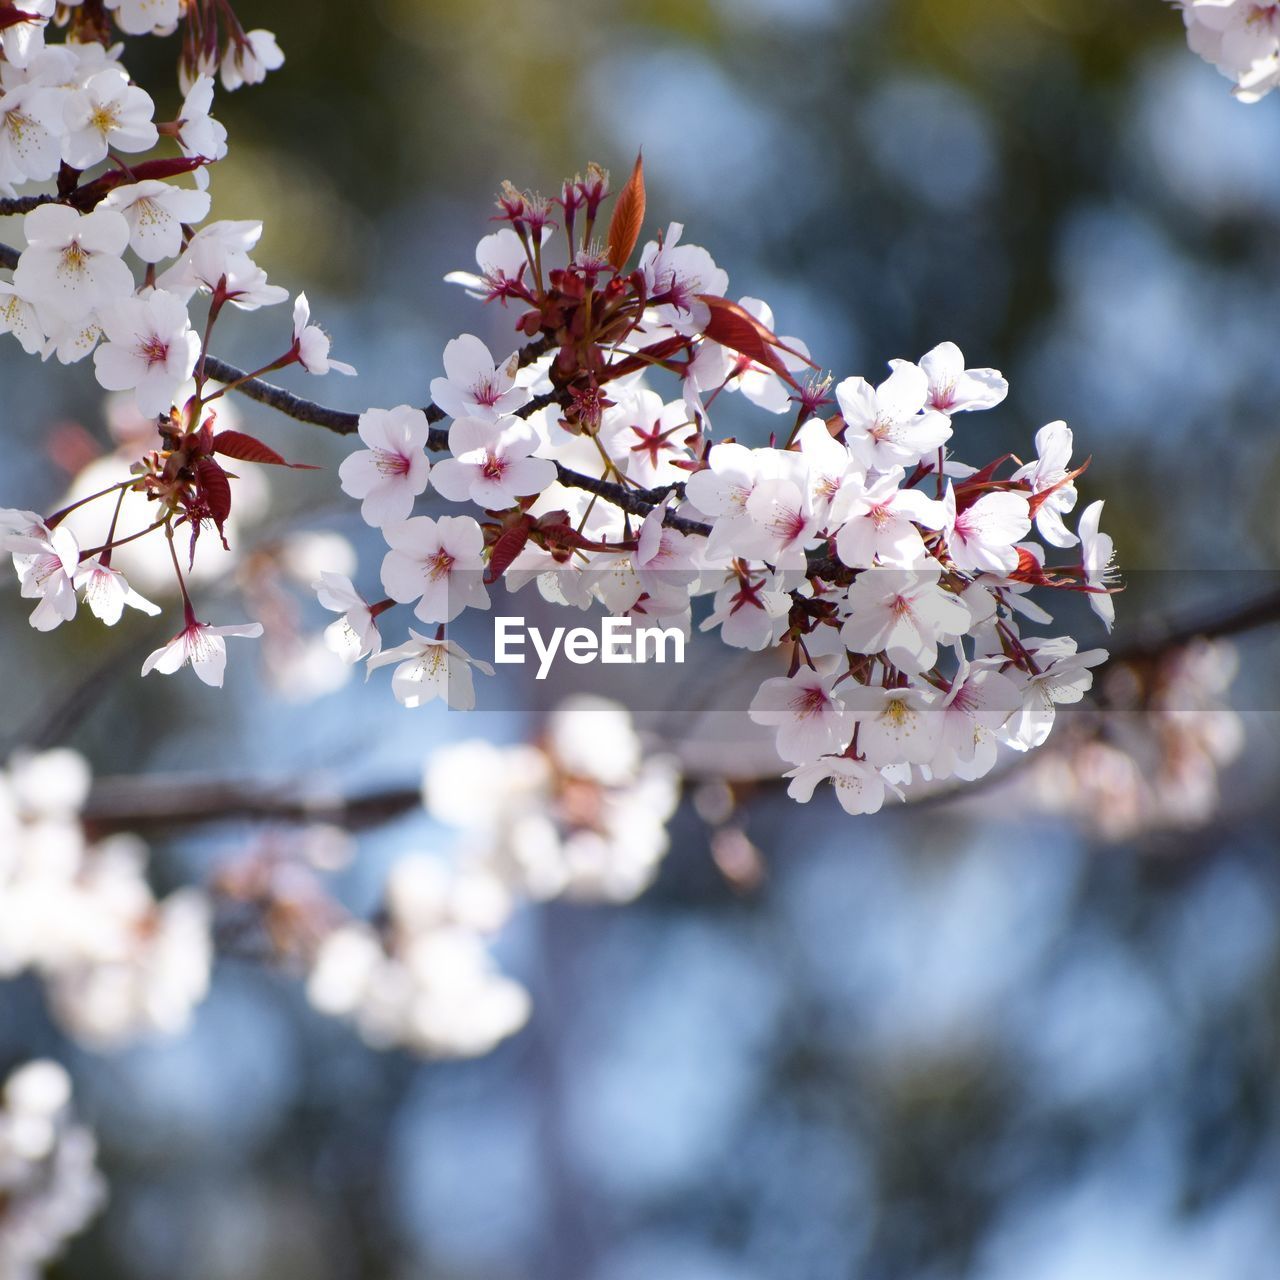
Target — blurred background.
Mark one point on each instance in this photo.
(956, 1042)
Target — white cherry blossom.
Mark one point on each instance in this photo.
(392, 471)
(895, 726)
(30, 136)
(199, 134)
(879, 523)
(217, 260)
(474, 386)
(146, 17)
(72, 262)
(247, 60)
(1099, 556)
(886, 426)
(751, 610)
(904, 613)
(858, 786)
(983, 536)
(431, 668)
(19, 317)
(502, 260)
(354, 635)
(313, 343)
(108, 113)
(201, 645)
(955, 389)
(47, 562)
(675, 274)
(437, 563)
(155, 212)
(151, 349)
(1050, 481)
(1064, 676)
(106, 592)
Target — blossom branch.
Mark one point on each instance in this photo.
(636, 502)
(170, 801)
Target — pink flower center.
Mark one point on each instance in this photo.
(389, 463)
(439, 565)
(486, 392)
(493, 468)
(809, 702)
(154, 350)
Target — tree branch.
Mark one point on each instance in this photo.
(636, 502)
(19, 205)
(171, 802)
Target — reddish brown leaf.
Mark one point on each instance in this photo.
(661, 353)
(235, 444)
(628, 217)
(11, 17)
(736, 328)
(510, 544)
(215, 489)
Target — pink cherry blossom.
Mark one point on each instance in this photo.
(492, 464)
(983, 537)
(955, 389)
(474, 386)
(811, 719)
(903, 613)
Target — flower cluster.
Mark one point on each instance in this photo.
(895, 580)
(113, 266)
(50, 1187)
(117, 964)
(581, 814)
(1239, 37)
(1154, 763)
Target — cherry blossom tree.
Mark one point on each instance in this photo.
(902, 596)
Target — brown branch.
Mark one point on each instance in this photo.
(19, 205)
(636, 502)
(176, 800)
(8, 257)
(1153, 642)
(160, 801)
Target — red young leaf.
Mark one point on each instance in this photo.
(734, 327)
(235, 444)
(10, 17)
(215, 489)
(628, 217)
(510, 544)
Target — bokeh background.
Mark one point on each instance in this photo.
(957, 1042)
